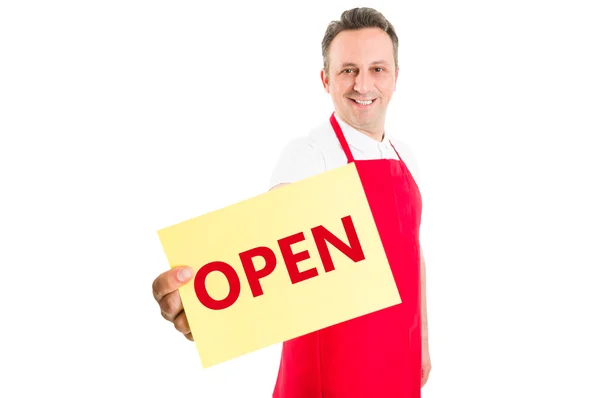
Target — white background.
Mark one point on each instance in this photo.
(119, 118)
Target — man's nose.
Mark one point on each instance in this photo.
(363, 82)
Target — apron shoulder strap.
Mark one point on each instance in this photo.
(397, 154)
(340, 136)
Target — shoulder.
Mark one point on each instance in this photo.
(302, 157)
(408, 157)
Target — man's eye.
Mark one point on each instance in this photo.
(378, 69)
(347, 70)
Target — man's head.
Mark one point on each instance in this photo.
(360, 63)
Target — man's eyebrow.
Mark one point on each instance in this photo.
(380, 62)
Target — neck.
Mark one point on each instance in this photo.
(377, 134)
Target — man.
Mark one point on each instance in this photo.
(386, 353)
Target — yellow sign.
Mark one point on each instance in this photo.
(279, 265)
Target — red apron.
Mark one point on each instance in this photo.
(377, 355)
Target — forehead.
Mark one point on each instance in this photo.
(361, 45)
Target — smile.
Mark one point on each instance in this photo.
(363, 103)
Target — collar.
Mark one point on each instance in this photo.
(359, 140)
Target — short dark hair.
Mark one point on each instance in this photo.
(353, 19)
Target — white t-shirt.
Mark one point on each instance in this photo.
(320, 151)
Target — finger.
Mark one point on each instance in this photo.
(181, 323)
(189, 337)
(171, 280)
(171, 306)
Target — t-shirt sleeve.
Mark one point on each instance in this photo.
(298, 160)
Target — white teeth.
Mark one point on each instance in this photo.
(364, 102)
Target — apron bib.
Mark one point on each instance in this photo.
(378, 354)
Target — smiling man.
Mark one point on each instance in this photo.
(385, 353)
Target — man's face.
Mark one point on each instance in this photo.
(361, 68)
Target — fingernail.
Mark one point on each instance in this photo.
(184, 274)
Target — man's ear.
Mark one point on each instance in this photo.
(396, 81)
(325, 80)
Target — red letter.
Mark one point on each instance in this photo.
(232, 279)
(353, 251)
(291, 259)
(252, 274)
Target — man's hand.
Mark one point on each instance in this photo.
(425, 363)
(164, 289)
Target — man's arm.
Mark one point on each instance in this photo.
(424, 324)
(426, 360)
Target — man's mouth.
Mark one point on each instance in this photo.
(363, 103)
